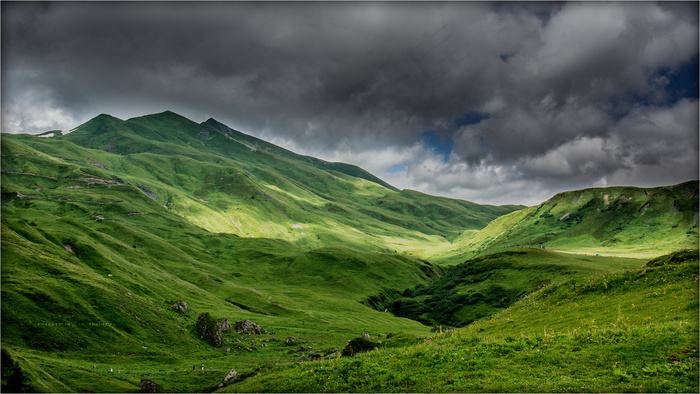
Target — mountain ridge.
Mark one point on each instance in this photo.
(104, 231)
(266, 190)
(613, 220)
(227, 181)
(200, 131)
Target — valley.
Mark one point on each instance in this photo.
(107, 227)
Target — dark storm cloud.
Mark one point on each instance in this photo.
(328, 63)
(560, 94)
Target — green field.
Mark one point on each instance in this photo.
(613, 221)
(630, 331)
(105, 228)
(483, 286)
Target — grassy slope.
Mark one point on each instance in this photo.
(485, 285)
(160, 215)
(226, 181)
(90, 269)
(623, 221)
(632, 331)
(106, 239)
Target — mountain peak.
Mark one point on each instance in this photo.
(162, 116)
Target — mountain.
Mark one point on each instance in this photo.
(168, 133)
(107, 227)
(109, 230)
(623, 221)
(92, 264)
(226, 181)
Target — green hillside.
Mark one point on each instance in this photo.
(483, 286)
(631, 331)
(91, 268)
(110, 230)
(225, 181)
(105, 228)
(616, 221)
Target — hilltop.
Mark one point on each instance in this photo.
(226, 181)
(616, 221)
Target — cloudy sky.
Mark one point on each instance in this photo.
(489, 102)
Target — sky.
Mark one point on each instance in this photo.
(495, 103)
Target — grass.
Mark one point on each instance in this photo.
(90, 270)
(105, 228)
(483, 286)
(614, 221)
(631, 331)
(219, 183)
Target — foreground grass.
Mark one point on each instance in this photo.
(625, 332)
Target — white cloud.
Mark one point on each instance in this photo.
(34, 111)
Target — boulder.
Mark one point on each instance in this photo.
(290, 340)
(180, 306)
(366, 335)
(248, 327)
(231, 375)
(358, 345)
(148, 386)
(228, 379)
(211, 328)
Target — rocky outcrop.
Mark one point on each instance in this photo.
(118, 180)
(180, 306)
(248, 327)
(225, 327)
(148, 386)
(358, 345)
(290, 340)
(211, 328)
(228, 379)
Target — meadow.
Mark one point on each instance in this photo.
(629, 331)
(106, 228)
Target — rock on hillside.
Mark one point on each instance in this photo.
(211, 328)
(248, 327)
